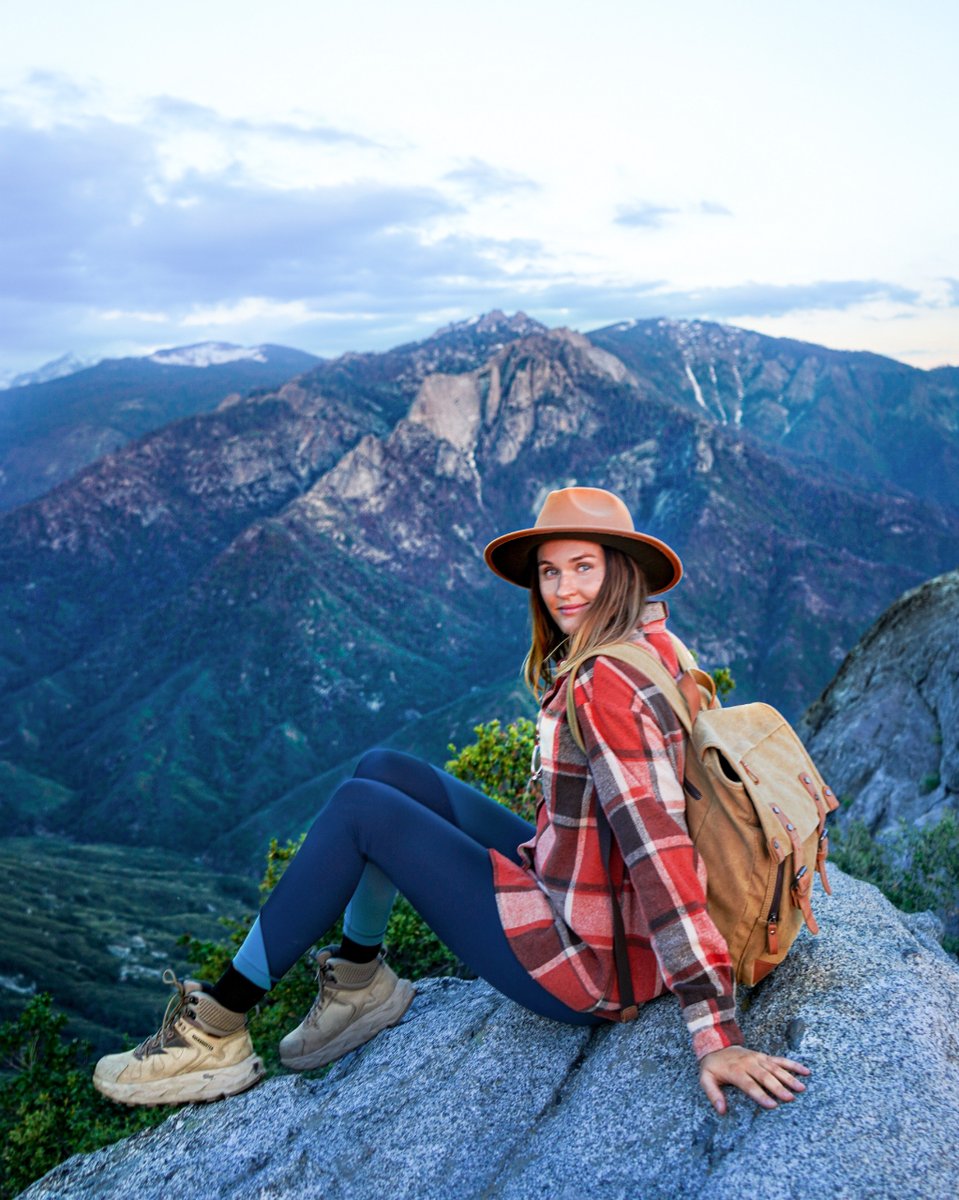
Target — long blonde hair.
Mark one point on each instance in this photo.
(613, 617)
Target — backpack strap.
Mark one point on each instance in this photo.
(693, 691)
(629, 1009)
(687, 660)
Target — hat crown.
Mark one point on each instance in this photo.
(586, 509)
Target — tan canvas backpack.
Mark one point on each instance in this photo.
(756, 810)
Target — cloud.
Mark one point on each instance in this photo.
(592, 305)
(482, 180)
(644, 216)
(185, 114)
(102, 244)
(771, 300)
(86, 216)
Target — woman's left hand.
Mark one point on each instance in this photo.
(762, 1077)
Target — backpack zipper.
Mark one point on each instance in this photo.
(772, 921)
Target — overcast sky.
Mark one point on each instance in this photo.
(343, 176)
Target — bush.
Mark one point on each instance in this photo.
(917, 868)
(723, 679)
(49, 1108)
(498, 764)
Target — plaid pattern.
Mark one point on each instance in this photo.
(555, 908)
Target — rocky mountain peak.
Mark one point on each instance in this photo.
(496, 322)
(897, 693)
(540, 379)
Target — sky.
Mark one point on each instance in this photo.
(342, 177)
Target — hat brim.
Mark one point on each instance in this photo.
(510, 556)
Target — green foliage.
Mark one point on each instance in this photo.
(929, 783)
(916, 868)
(723, 679)
(49, 1108)
(498, 764)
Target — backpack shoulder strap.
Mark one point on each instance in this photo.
(685, 708)
(687, 660)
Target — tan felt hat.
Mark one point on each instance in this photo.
(585, 514)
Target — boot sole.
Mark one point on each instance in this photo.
(390, 1012)
(191, 1088)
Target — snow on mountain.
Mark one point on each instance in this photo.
(58, 368)
(207, 354)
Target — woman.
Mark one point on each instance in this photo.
(528, 910)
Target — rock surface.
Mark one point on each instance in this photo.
(471, 1096)
(897, 693)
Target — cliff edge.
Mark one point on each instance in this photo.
(472, 1096)
(885, 733)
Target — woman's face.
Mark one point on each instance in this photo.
(570, 574)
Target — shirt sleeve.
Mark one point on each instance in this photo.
(634, 744)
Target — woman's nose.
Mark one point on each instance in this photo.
(565, 585)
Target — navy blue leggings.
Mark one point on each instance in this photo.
(428, 834)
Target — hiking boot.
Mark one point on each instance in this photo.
(355, 1001)
(202, 1051)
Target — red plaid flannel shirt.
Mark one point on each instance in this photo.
(555, 907)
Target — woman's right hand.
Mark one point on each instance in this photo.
(763, 1077)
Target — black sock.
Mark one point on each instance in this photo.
(355, 953)
(235, 992)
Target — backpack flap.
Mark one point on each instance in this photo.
(752, 751)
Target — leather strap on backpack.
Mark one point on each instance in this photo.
(629, 1009)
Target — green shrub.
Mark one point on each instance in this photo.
(498, 764)
(49, 1108)
(723, 679)
(917, 868)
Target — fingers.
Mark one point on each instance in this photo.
(764, 1078)
(714, 1093)
(789, 1064)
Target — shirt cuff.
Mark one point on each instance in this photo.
(717, 1037)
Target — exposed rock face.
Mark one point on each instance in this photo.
(886, 731)
(471, 1096)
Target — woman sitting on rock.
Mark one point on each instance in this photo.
(527, 909)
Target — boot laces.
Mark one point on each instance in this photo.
(325, 977)
(175, 1005)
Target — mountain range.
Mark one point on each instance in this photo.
(205, 626)
(62, 419)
